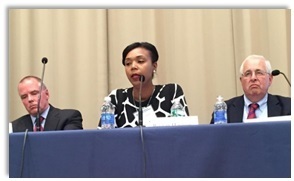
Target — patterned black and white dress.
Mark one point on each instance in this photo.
(161, 102)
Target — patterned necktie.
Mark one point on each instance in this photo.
(41, 127)
(252, 108)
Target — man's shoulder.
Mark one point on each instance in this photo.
(66, 110)
(280, 98)
(234, 100)
(70, 110)
(24, 117)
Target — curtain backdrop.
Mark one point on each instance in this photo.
(200, 49)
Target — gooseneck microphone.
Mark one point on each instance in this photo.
(44, 61)
(140, 124)
(38, 123)
(277, 72)
(142, 79)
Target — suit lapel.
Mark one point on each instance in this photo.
(52, 119)
(28, 123)
(236, 111)
(273, 106)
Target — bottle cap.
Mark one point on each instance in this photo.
(176, 100)
(219, 98)
(107, 99)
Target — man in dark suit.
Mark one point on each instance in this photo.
(256, 79)
(51, 118)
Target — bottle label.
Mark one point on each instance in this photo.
(177, 113)
(107, 120)
(220, 116)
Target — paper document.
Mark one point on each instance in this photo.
(171, 121)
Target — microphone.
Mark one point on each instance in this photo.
(44, 60)
(277, 72)
(38, 123)
(140, 112)
(142, 79)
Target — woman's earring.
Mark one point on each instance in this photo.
(154, 71)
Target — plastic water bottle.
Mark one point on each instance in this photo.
(220, 111)
(177, 109)
(107, 114)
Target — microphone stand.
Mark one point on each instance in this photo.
(38, 123)
(140, 124)
(277, 72)
(140, 112)
(286, 78)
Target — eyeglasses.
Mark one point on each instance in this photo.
(258, 73)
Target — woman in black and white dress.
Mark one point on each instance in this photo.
(140, 58)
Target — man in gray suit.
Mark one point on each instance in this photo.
(256, 78)
(52, 118)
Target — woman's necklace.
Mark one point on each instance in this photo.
(150, 98)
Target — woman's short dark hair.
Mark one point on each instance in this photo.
(146, 45)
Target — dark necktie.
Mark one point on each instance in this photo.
(41, 127)
(252, 108)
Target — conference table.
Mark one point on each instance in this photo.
(236, 150)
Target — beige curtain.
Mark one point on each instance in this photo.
(200, 49)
